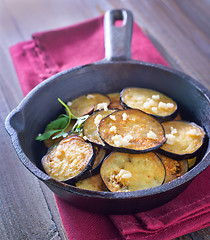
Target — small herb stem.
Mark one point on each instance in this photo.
(69, 112)
(67, 108)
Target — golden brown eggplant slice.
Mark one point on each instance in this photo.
(100, 154)
(88, 103)
(69, 160)
(178, 117)
(132, 131)
(184, 139)
(149, 101)
(123, 172)
(115, 100)
(90, 129)
(174, 168)
(191, 162)
(93, 183)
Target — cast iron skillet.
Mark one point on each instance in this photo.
(112, 74)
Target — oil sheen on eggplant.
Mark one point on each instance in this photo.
(100, 154)
(123, 172)
(69, 160)
(93, 183)
(174, 168)
(90, 129)
(132, 131)
(184, 139)
(115, 100)
(149, 101)
(88, 103)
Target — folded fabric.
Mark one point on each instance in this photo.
(54, 51)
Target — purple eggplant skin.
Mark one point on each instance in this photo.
(128, 150)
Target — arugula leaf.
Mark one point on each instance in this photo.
(60, 134)
(46, 135)
(57, 126)
(60, 125)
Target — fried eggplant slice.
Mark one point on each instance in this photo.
(90, 129)
(184, 139)
(69, 160)
(49, 142)
(100, 154)
(132, 131)
(178, 117)
(191, 162)
(149, 101)
(174, 168)
(123, 172)
(88, 103)
(93, 183)
(115, 100)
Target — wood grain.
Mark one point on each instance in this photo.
(17, 184)
(179, 30)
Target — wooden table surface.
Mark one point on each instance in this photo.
(180, 29)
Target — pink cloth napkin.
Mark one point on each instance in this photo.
(53, 51)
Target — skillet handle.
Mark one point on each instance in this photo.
(118, 38)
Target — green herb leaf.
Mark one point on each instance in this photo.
(57, 126)
(59, 123)
(46, 135)
(60, 134)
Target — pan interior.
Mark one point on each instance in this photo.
(41, 105)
